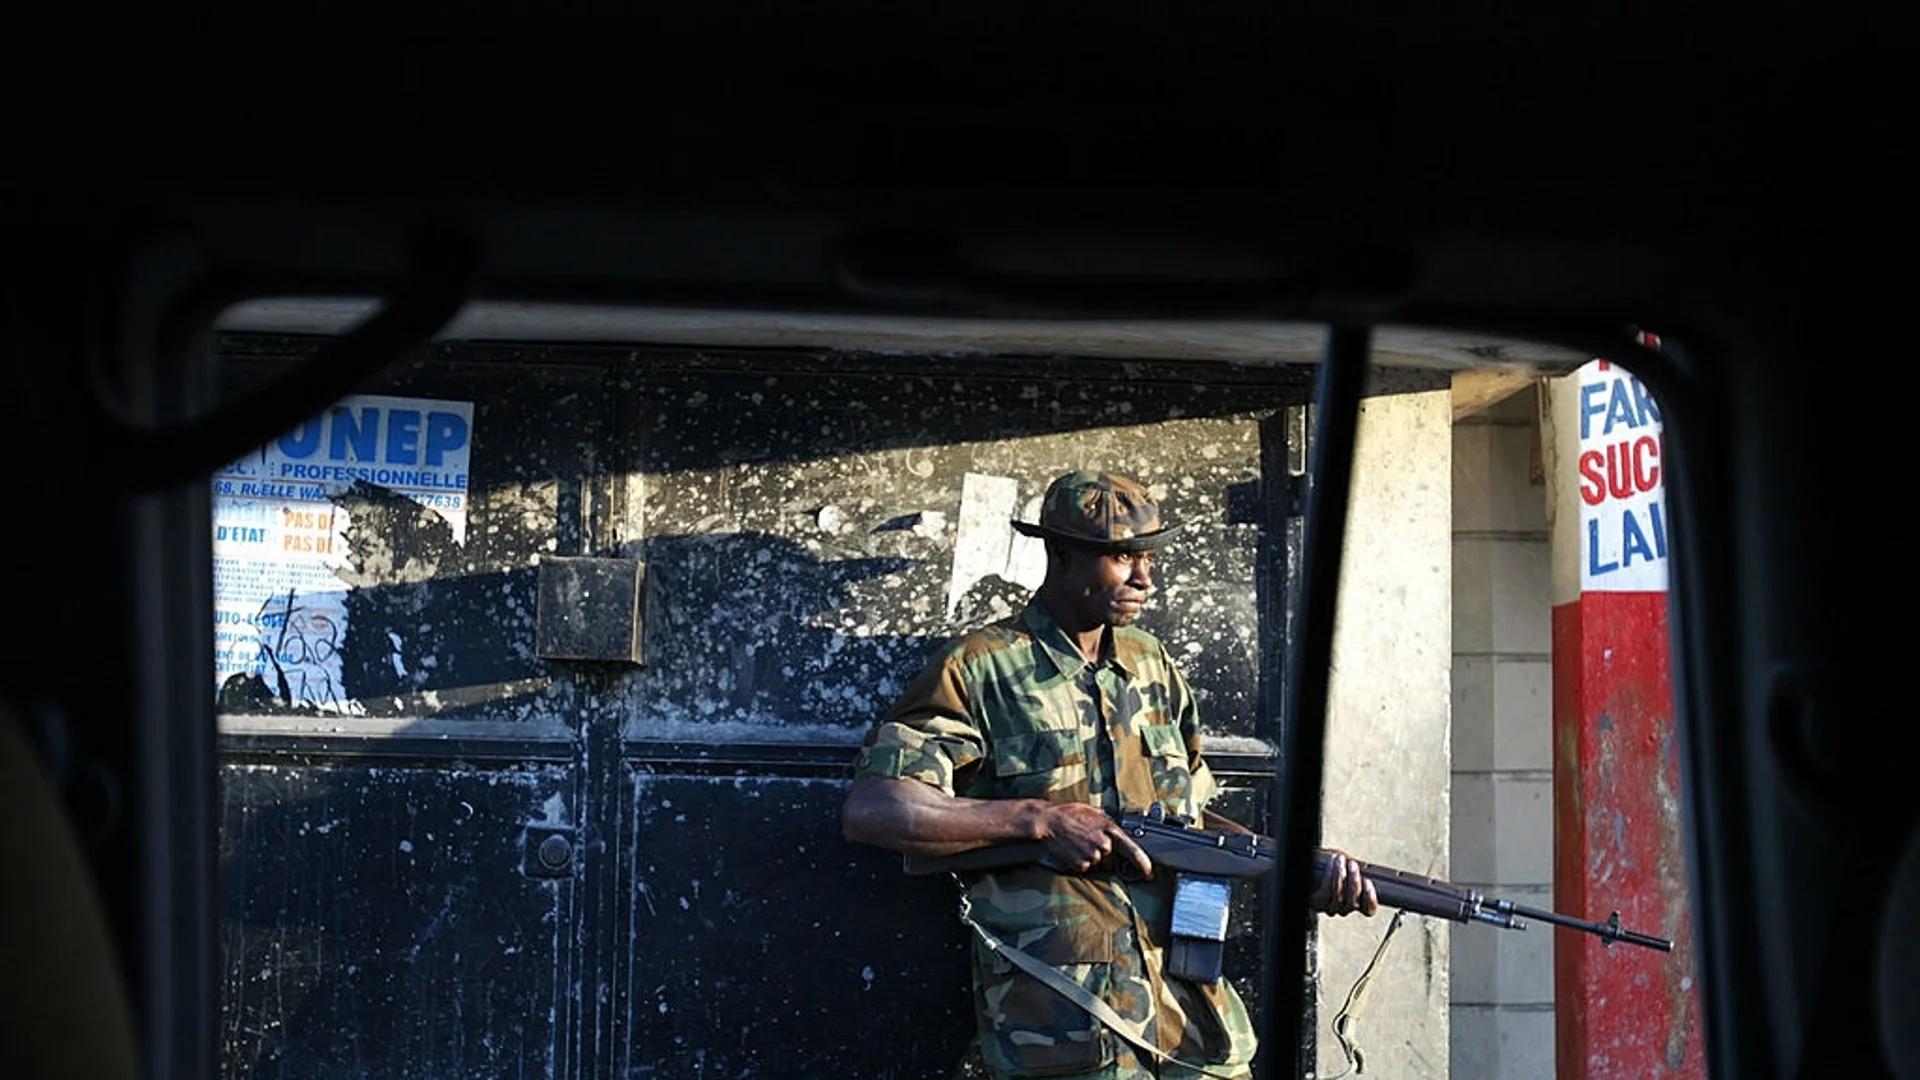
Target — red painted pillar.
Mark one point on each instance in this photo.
(1620, 1011)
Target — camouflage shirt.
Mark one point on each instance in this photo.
(1015, 711)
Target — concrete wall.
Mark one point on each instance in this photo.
(1387, 743)
(1502, 844)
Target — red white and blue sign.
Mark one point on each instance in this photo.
(1623, 515)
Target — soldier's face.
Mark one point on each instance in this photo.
(1108, 587)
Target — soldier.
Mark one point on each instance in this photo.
(1043, 728)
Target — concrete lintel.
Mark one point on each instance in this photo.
(1245, 341)
(1478, 390)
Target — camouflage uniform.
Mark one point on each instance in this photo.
(1015, 711)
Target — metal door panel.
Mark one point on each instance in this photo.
(763, 944)
(378, 921)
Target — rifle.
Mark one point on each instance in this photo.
(1173, 843)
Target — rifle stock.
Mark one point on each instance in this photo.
(1174, 845)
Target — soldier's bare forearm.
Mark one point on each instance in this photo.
(919, 819)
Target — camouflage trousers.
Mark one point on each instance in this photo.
(1129, 1064)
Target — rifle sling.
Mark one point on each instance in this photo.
(1344, 1024)
(1078, 994)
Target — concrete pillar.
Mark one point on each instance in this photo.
(1502, 841)
(1387, 740)
(1621, 1011)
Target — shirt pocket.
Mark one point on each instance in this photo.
(1166, 752)
(1049, 764)
(1028, 1028)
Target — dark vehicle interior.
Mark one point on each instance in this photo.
(1718, 178)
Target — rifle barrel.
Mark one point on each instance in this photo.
(1248, 854)
(1609, 931)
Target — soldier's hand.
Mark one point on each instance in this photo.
(1080, 837)
(1344, 890)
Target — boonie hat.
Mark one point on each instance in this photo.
(1102, 511)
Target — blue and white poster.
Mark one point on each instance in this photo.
(280, 534)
